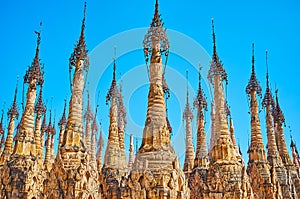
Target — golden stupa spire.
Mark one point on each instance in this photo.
(131, 153)
(279, 121)
(155, 45)
(2, 130)
(100, 146)
(295, 154)
(13, 114)
(25, 144)
(216, 76)
(50, 131)
(40, 109)
(189, 147)
(121, 124)
(72, 140)
(200, 103)
(94, 128)
(258, 168)
(62, 125)
(88, 116)
(256, 148)
(112, 153)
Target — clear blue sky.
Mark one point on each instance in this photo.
(272, 25)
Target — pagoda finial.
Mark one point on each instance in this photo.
(63, 119)
(13, 111)
(1, 123)
(156, 39)
(268, 98)
(214, 37)
(278, 114)
(40, 106)
(253, 84)
(80, 52)
(113, 88)
(187, 86)
(34, 71)
(200, 101)
(216, 68)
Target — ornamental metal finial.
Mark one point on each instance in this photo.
(13, 111)
(253, 84)
(216, 66)
(63, 120)
(40, 106)
(34, 72)
(200, 101)
(113, 88)
(156, 38)
(80, 51)
(187, 113)
(268, 98)
(278, 114)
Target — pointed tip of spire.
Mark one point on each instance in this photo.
(187, 86)
(253, 60)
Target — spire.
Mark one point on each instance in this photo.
(40, 106)
(63, 119)
(39, 109)
(221, 133)
(80, 51)
(112, 153)
(253, 84)
(113, 87)
(99, 150)
(189, 148)
(156, 40)
(62, 126)
(121, 126)
(131, 153)
(72, 140)
(279, 120)
(13, 114)
(2, 130)
(268, 98)
(257, 164)
(94, 128)
(50, 131)
(13, 111)
(278, 114)
(88, 117)
(200, 103)
(25, 144)
(295, 154)
(256, 149)
(34, 72)
(216, 67)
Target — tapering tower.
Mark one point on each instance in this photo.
(131, 154)
(226, 177)
(112, 153)
(50, 132)
(189, 147)
(88, 116)
(22, 168)
(114, 167)
(121, 126)
(100, 146)
(40, 109)
(273, 157)
(94, 128)
(13, 114)
(71, 175)
(295, 154)
(258, 168)
(199, 173)
(156, 162)
(292, 174)
(62, 127)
